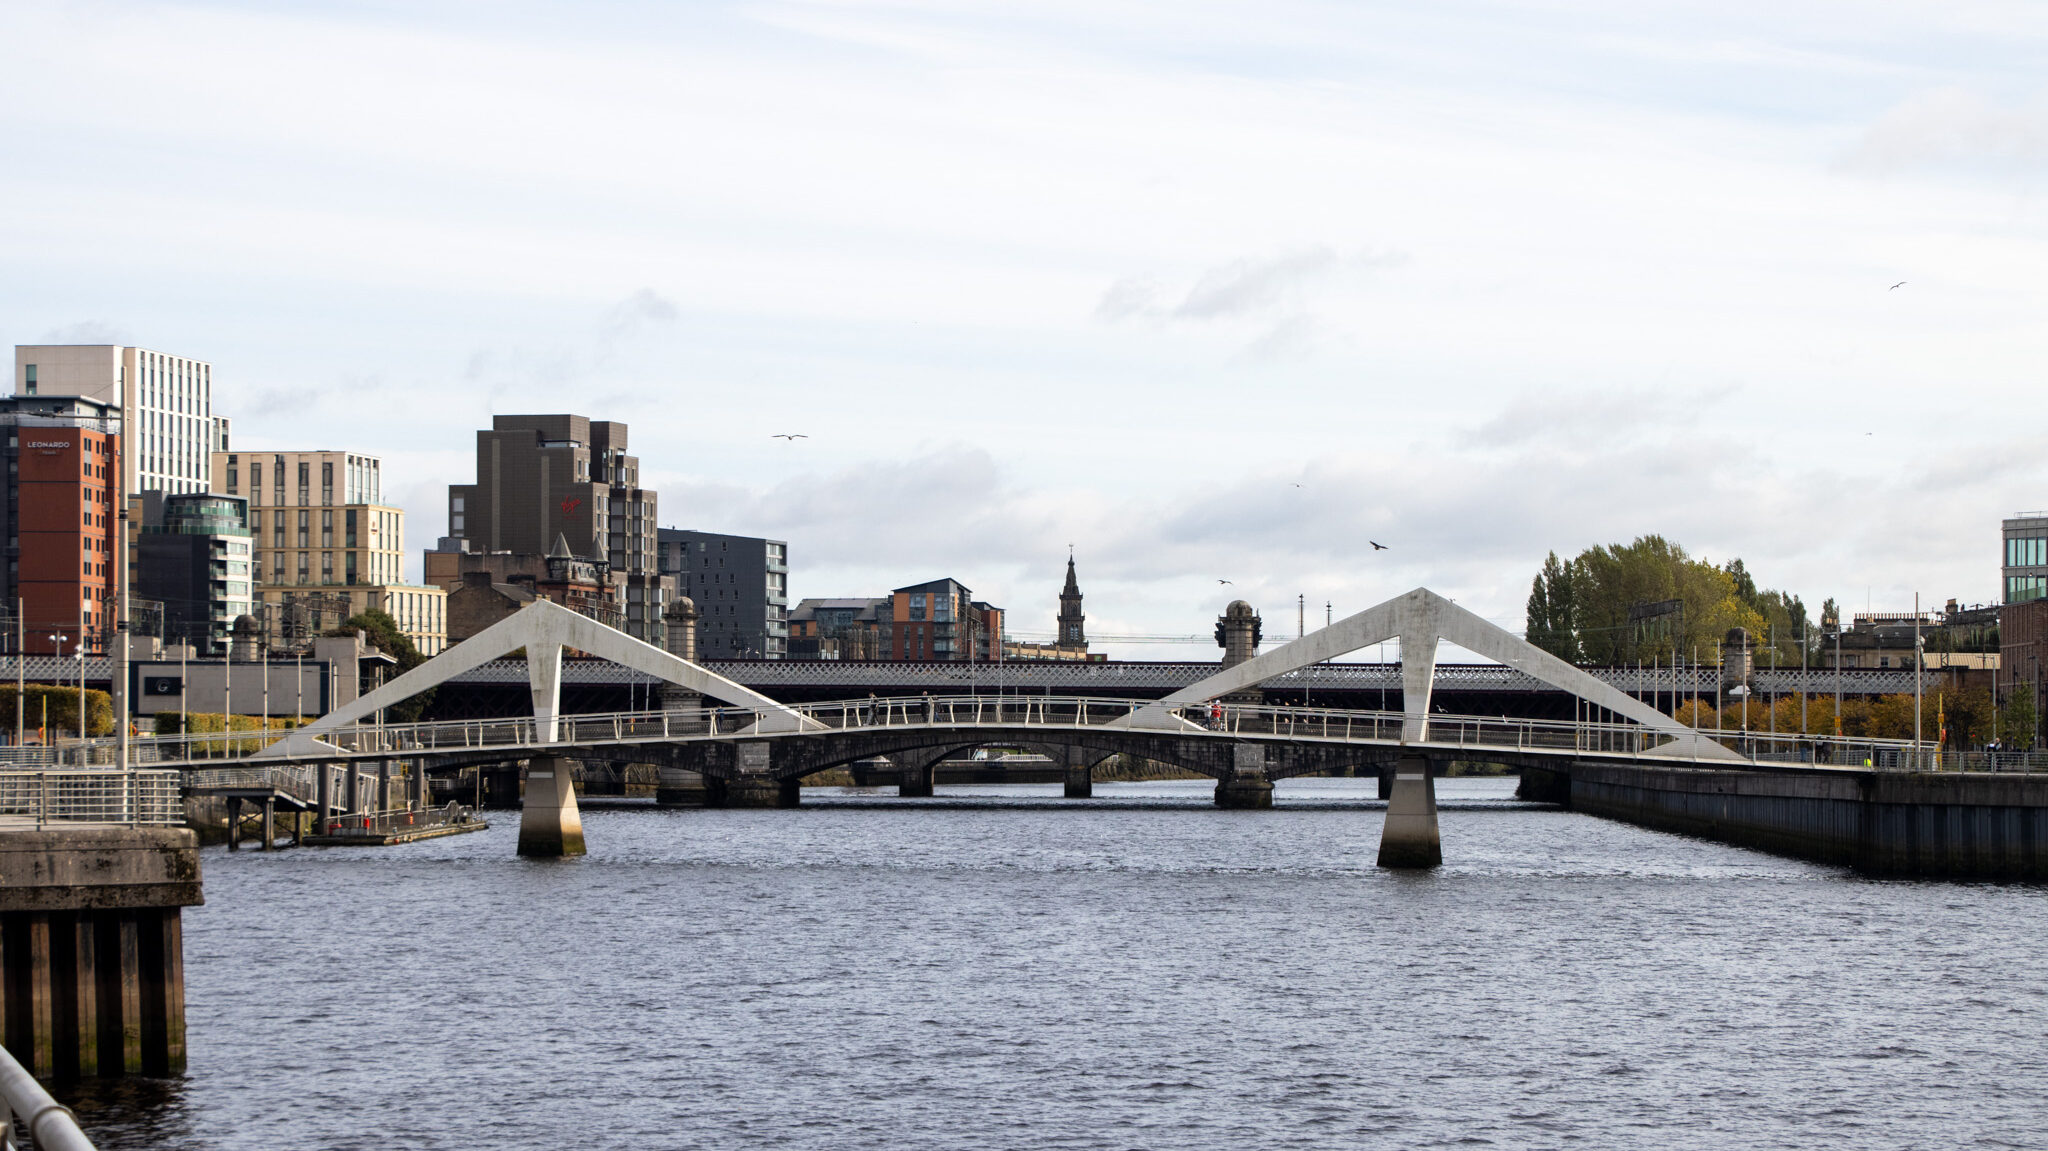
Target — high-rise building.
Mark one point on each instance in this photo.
(165, 404)
(61, 522)
(327, 545)
(195, 562)
(2026, 557)
(740, 585)
(539, 477)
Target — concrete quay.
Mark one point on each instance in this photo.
(1931, 825)
(92, 974)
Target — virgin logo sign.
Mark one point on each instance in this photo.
(569, 506)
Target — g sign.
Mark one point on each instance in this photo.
(162, 685)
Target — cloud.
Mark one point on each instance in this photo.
(1247, 286)
(1952, 125)
(638, 310)
(1243, 286)
(89, 332)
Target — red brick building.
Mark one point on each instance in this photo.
(60, 519)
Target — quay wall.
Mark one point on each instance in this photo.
(1885, 823)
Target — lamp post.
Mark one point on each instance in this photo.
(58, 638)
(1919, 660)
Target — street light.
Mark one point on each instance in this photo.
(58, 638)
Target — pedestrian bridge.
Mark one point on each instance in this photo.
(752, 750)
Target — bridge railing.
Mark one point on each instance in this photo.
(519, 735)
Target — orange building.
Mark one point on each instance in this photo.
(941, 620)
(60, 519)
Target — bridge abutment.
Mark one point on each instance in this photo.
(549, 824)
(1247, 787)
(1409, 839)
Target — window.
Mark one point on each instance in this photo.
(303, 530)
(917, 605)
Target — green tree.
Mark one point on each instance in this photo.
(1550, 616)
(2017, 720)
(384, 634)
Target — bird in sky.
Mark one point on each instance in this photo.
(1223, 581)
(1377, 545)
(792, 437)
(1896, 287)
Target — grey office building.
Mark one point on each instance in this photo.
(540, 477)
(740, 585)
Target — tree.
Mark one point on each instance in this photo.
(2017, 719)
(385, 635)
(1588, 609)
(1550, 615)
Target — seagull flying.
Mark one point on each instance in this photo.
(792, 437)
(1377, 545)
(1223, 581)
(1896, 287)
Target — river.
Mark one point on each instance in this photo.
(1002, 968)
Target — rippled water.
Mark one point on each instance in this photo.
(1000, 968)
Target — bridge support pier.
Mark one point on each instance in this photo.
(500, 786)
(1409, 839)
(752, 784)
(549, 824)
(1247, 786)
(914, 779)
(681, 787)
(1080, 772)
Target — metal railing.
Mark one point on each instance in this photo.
(130, 798)
(50, 1125)
(380, 823)
(1447, 732)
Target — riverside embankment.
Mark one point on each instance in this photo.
(1923, 824)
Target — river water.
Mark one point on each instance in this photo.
(1001, 968)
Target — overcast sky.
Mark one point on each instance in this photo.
(1208, 291)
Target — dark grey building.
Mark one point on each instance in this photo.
(740, 585)
(544, 477)
(194, 560)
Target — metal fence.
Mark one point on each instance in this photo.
(130, 798)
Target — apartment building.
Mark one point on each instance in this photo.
(195, 562)
(327, 545)
(740, 585)
(940, 620)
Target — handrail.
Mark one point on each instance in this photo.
(979, 710)
(50, 1124)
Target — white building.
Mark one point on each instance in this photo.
(168, 429)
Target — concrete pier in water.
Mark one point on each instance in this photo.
(1410, 837)
(549, 823)
(92, 968)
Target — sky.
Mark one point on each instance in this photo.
(1204, 291)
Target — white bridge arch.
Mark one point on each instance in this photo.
(544, 628)
(1419, 619)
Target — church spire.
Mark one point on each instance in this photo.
(1073, 633)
